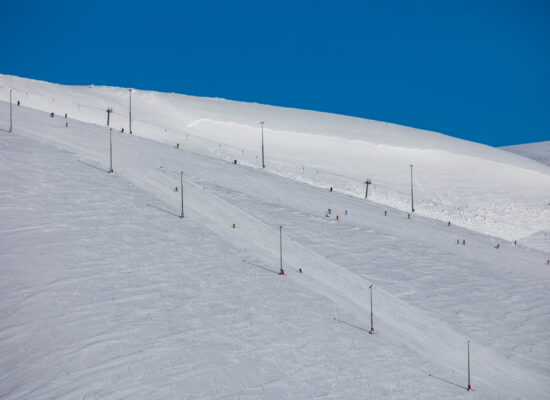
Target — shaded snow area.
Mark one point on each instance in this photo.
(475, 186)
(539, 151)
(106, 294)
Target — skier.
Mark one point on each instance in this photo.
(449, 224)
(457, 241)
(235, 162)
(177, 145)
(175, 188)
(515, 242)
(331, 188)
(18, 103)
(385, 213)
(51, 115)
(65, 115)
(463, 242)
(345, 212)
(409, 216)
(337, 218)
(548, 262)
(122, 130)
(300, 270)
(66, 124)
(497, 246)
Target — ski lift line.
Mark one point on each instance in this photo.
(124, 115)
(172, 130)
(200, 140)
(102, 110)
(155, 125)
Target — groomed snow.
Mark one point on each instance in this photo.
(472, 185)
(106, 293)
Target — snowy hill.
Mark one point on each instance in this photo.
(471, 185)
(539, 151)
(106, 293)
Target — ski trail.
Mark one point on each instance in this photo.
(395, 319)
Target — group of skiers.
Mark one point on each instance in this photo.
(329, 212)
(53, 115)
(464, 243)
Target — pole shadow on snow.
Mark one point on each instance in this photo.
(262, 267)
(449, 382)
(354, 326)
(163, 210)
(92, 166)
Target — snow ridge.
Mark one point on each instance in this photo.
(471, 185)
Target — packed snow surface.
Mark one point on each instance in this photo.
(106, 294)
(472, 185)
(539, 151)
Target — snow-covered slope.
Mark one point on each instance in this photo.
(539, 151)
(469, 184)
(106, 293)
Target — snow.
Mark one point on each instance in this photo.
(472, 185)
(539, 151)
(106, 293)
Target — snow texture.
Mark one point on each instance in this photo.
(106, 293)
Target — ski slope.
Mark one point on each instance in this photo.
(106, 293)
(472, 185)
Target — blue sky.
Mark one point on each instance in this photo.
(478, 70)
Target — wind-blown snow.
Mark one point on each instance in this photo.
(105, 293)
(472, 185)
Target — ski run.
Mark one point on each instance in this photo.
(106, 293)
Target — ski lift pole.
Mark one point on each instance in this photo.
(367, 182)
(111, 150)
(181, 186)
(371, 318)
(282, 271)
(109, 111)
(469, 386)
(263, 161)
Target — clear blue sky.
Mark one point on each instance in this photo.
(479, 70)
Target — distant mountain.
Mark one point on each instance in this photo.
(539, 151)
